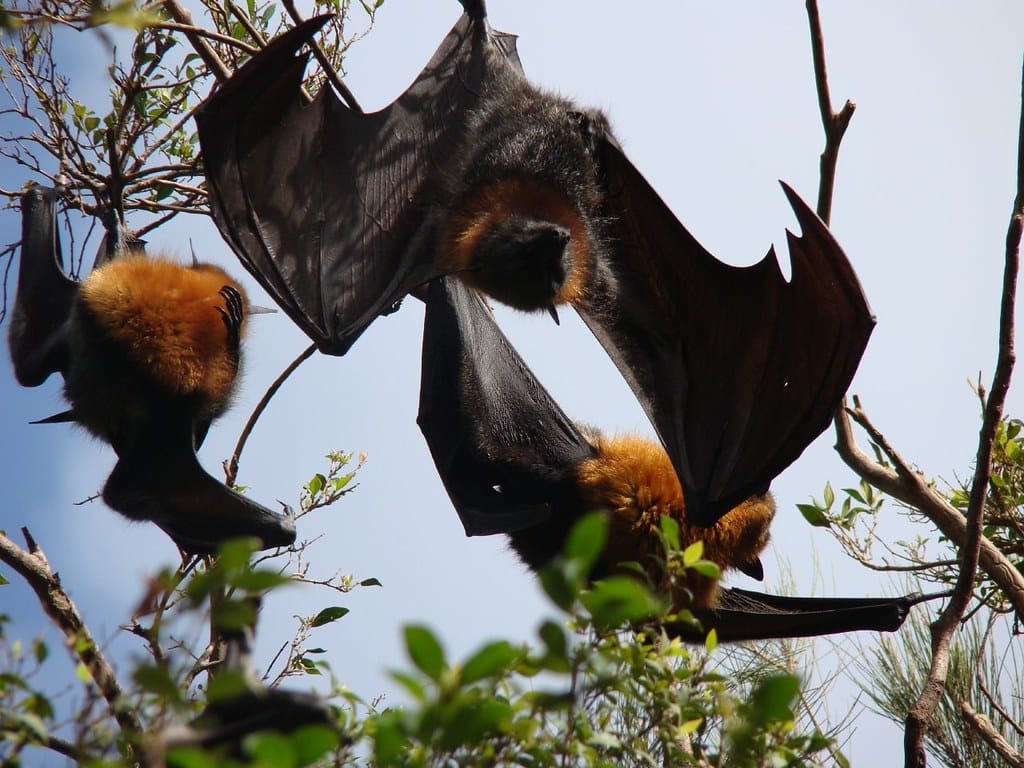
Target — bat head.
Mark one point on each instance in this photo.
(524, 262)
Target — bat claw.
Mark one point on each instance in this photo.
(233, 315)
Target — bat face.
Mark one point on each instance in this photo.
(149, 352)
(528, 197)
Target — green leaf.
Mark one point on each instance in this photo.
(475, 720)
(311, 742)
(370, 583)
(316, 484)
(235, 615)
(3, 580)
(158, 681)
(191, 757)
(707, 568)
(327, 615)
(711, 641)
(259, 581)
(693, 553)
(272, 749)
(553, 636)
(389, 740)
(618, 600)
(493, 660)
(411, 684)
(772, 700)
(830, 495)
(234, 554)
(226, 686)
(425, 651)
(814, 515)
(670, 530)
(587, 538)
(556, 584)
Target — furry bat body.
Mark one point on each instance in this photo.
(149, 351)
(512, 462)
(474, 171)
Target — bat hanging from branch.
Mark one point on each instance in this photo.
(475, 172)
(512, 462)
(149, 351)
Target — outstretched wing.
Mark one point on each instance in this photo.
(38, 330)
(744, 615)
(500, 442)
(329, 208)
(158, 478)
(738, 369)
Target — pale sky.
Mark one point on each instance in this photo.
(714, 102)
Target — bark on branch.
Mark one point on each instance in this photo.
(31, 565)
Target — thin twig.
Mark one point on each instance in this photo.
(183, 16)
(834, 123)
(231, 467)
(325, 63)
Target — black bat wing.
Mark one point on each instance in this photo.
(327, 207)
(45, 294)
(744, 615)
(158, 478)
(738, 369)
(500, 442)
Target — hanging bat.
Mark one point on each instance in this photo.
(512, 462)
(475, 172)
(149, 351)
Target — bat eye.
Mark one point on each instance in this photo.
(498, 489)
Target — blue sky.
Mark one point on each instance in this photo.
(714, 102)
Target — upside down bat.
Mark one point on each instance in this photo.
(511, 460)
(149, 351)
(475, 172)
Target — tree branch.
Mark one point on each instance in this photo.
(183, 16)
(943, 628)
(231, 466)
(31, 565)
(990, 735)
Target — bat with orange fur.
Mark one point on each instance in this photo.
(149, 351)
(474, 171)
(512, 462)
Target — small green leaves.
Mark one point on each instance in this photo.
(327, 615)
(619, 600)
(493, 660)
(425, 651)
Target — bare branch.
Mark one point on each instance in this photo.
(943, 628)
(183, 16)
(990, 734)
(834, 123)
(231, 467)
(325, 64)
(31, 565)
(911, 487)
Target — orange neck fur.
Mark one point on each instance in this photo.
(633, 478)
(165, 315)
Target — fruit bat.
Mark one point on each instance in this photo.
(475, 172)
(513, 462)
(149, 351)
